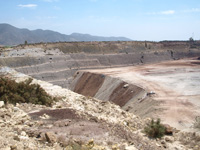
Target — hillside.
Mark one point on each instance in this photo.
(10, 35)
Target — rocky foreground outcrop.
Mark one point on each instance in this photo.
(77, 122)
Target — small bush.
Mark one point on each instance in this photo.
(23, 92)
(197, 122)
(154, 129)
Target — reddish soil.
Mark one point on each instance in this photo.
(89, 84)
(121, 95)
(67, 125)
(56, 114)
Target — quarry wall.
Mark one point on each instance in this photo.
(58, 62)
(106, 88)
(61, 63)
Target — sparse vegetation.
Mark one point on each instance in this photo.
(191, 39)
(155, 129)
(197, 122)
(23, 92)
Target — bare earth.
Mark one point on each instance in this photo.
(175, 84)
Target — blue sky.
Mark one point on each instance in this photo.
(152, 20)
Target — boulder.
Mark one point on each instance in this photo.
(168, 129)
(169, 139)
(50, 137)
(131, 147)
(13, 147)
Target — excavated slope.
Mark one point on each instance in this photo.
(62, 64)
(106, 88)
(172, 90)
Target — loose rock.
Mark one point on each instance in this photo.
(2, 104)
(50, 137)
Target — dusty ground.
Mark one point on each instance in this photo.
(175, 84)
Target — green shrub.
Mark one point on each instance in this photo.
(23, 92)
(154, 129)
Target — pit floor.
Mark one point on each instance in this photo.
(176, 85)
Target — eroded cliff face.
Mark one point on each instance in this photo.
(106, 88)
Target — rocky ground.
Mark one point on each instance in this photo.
(78, 122)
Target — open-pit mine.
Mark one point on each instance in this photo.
(121, 85)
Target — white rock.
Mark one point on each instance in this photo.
(15, 109)
(158, 145)
(132, 147)
(1, 104)
(126, 85)
(23, 138)
(23, 133)
(6, 148)
(45, 116)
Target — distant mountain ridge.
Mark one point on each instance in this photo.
(10, 35)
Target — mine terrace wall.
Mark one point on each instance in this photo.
(59, 68)
(114, 46)
(106, 88)
(68, 57)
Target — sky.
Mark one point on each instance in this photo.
(152, 20)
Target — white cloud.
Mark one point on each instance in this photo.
(168, 12)
(27, 6)
(193, 10)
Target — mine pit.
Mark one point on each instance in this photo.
(125, 77)
(175, 86)
(107, 93)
